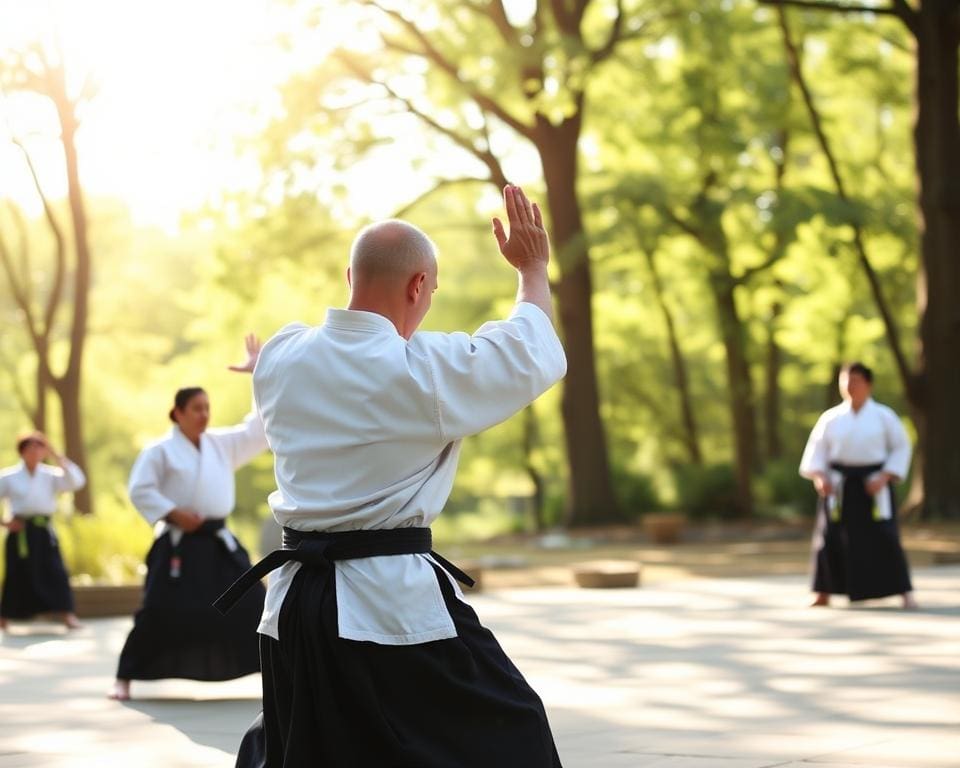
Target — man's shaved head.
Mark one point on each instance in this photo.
(391, 250)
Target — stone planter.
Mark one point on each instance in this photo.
(607, 574)
(100, 600)
(665, 528)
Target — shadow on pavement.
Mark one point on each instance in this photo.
(210, 723)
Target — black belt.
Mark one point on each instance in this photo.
(321, 549)
(855, 470)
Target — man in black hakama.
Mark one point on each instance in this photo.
(855, 452)
(371, 656)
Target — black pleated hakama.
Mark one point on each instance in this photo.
(343, 703)
(177, 633)
(36, 580)
(856, 553)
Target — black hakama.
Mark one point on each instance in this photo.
(36, 580)
(342, 703)
(856, 554)
(177, 632)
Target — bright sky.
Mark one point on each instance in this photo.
(179, 81)
(176, 80)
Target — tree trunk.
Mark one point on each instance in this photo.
(937, 136)
(69, 384)
(42, 384)
(591, 499)
(680, 379)
(741, 387)
(531, 438)
(772, 400)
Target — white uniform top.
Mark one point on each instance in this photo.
(366, 429)
(872, 435)
(36, 494)
(173, 473)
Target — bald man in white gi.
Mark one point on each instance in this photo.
(370, 655)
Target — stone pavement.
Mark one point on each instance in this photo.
(710, 673)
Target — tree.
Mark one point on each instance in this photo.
(36, 71)
(932, 384)
(492, 78)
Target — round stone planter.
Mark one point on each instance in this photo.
(666, 528)
(607, 574)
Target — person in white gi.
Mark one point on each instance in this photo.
(36, 580)
(855, 452)
(183, 484)
(370, 655)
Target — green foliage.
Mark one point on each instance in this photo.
(707, 492)
(636, 493)
(781, 489)
(691, 121)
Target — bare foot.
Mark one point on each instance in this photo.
(910, 602)
(823, 599)
(70, 621)
(121, 691)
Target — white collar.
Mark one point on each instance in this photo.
(359, 320)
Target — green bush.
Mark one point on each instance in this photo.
(706, 491)
(781, 487)
(635, 493)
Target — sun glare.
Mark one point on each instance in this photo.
(178, 83)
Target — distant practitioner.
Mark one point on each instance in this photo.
(36, 580)
(371, 656)
(184, 484)
(856, 451)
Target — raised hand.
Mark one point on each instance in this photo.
(253, 352)
(527, 245)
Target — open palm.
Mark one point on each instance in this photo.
(253, 352)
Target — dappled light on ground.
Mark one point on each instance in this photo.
(735, 673)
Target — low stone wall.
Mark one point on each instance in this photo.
(100, 600)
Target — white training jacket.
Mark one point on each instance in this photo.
(366, 429)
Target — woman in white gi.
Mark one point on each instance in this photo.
(184, 484)
(855, 452)
(36, 580)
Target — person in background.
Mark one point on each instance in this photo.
(36, 580)
(855, 453)
(184, 485)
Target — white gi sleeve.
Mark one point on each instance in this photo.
(483, 379)
(244, 441)
(816, 458)
(144, 486)
(898, 445)
(68, 478)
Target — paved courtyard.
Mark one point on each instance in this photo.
(711, 673)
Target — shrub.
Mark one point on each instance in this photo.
(706, 491)
(635, 493)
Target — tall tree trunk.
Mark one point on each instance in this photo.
(591, 499)
(69, 384)
(741, 387)
(531, 439)
(937, 137)
(772, 399)
(43, 383)
(680, 379)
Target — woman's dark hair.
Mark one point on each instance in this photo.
(25, 440)
(860, 369)
(183, 397)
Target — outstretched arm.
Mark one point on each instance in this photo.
(526, 248)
